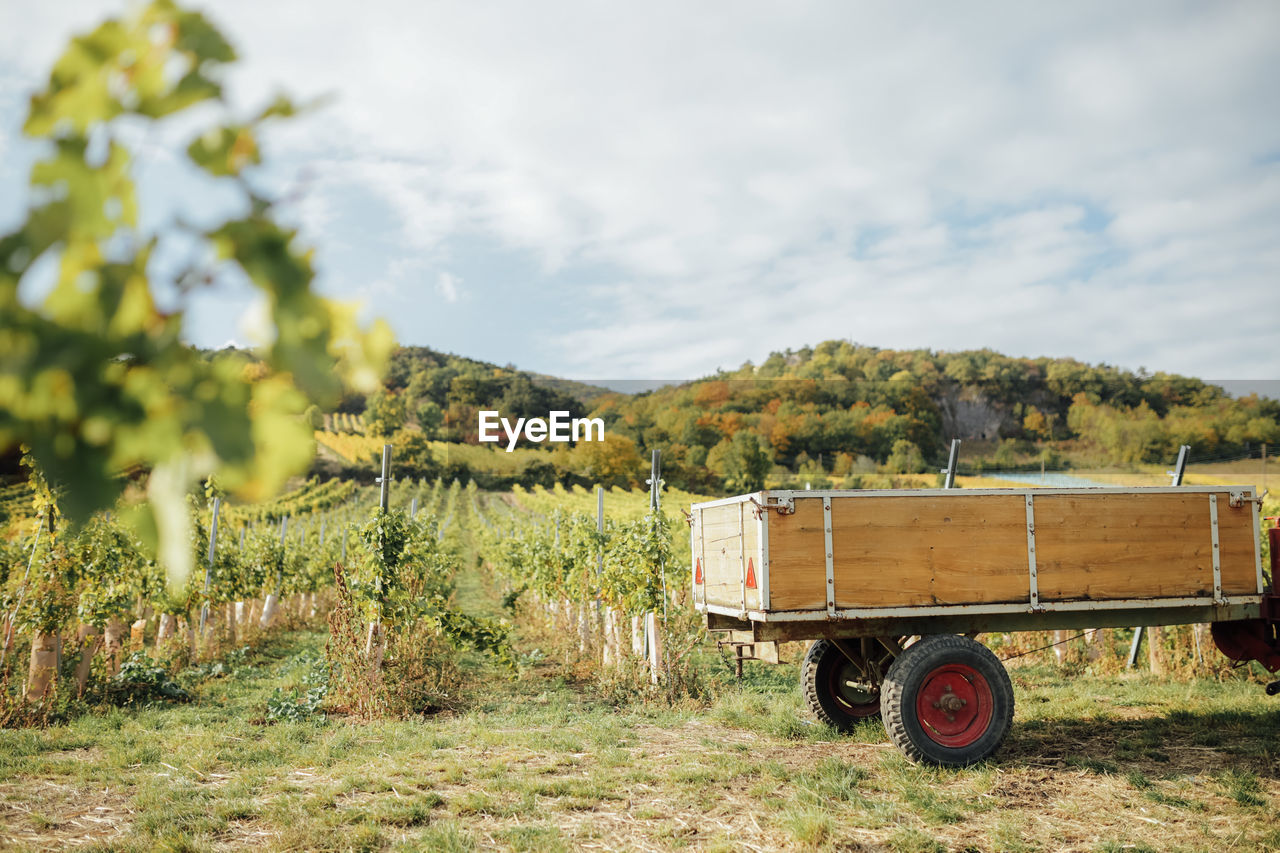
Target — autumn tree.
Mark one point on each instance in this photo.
(905, 458)
(430, 417)
(615, 461)
(746, 464)
(386, 412)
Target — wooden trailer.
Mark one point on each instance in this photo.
(893, 586)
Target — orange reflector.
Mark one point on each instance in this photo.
(751, 573)
(697, 571)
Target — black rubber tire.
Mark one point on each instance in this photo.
(910, 673)
(817, 678)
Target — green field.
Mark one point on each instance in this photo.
(559, 756)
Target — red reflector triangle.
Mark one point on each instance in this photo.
(697, 571)
(751, 573)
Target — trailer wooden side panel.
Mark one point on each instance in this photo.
(722, 554)
(997, 547)
(1120, 546)
(1238, 548)
(924, 551)
(797, 558)
(900, 552)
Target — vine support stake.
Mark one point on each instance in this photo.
(950, 470)
(600, 529)
(655, 482)
(208, 569)
(384, 494)
(655, 507)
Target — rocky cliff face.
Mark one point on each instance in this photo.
(969, 414)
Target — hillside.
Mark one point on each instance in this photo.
(838, 413)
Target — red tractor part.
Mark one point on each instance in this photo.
(1253, 639)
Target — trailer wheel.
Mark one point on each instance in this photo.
(947, 700)
(843, 686)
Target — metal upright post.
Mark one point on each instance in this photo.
(284, 526)
(384, 494)
(1181, 467)
(655, 506)
(1134, 648)
(655, 482)
(413, 508)
(208, 569)
(600, 528)
(950, 470)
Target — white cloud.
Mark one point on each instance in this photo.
(1077, 179)
(255, 323)
(447, 286)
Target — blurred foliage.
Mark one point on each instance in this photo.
(94, 375)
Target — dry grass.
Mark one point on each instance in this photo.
(541, 763)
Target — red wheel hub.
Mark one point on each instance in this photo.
(954, 705)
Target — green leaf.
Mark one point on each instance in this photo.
(225, 151)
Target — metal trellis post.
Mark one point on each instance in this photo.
(950, 470)
(384, 493)
(208, 569)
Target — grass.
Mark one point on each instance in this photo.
(548, 762)
(539, 762)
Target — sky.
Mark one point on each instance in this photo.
(640, 191)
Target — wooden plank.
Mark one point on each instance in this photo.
(1113, 546)
(722, 556)
(1236, 548)
(797, 561)
(910, 551)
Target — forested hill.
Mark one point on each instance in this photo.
(460, 386)
(839, 406)
(838, 411)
